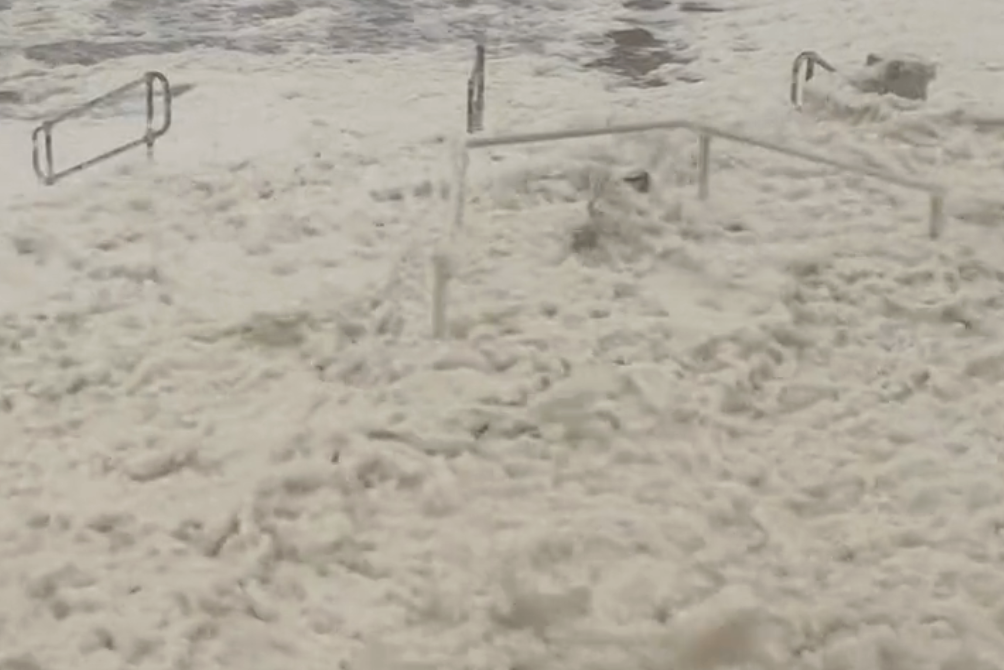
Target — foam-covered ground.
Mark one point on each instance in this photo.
(765, 429)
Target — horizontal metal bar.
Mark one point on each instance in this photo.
(53, 178)
(91, 104)
(530, 138)
(905, 182)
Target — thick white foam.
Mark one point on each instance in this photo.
(762, 428)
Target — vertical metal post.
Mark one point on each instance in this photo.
(476, 91)
(440, 293)
(149, 116)
(461, 162)
(441, 271)
(49, 160)
(796, 80)
(937, 215)
(704, 166)
(482, 70)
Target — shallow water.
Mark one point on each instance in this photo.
(631, 38)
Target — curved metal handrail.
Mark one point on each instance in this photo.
(810, 59)
(41, 136)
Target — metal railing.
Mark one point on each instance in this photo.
(41, 137)
(476, 92)
(800, 75)
(705, 133)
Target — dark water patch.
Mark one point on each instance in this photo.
(699, 8)
(377, 25)
(636, 53)
(10, 103)
(178, 90)
(5, 4)
(192, 19)
(362, 39)
(150, 27)
(79, 52)
(647, 5)
(125, 28)
(268, 11)
(132, 7)
(382, 26)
